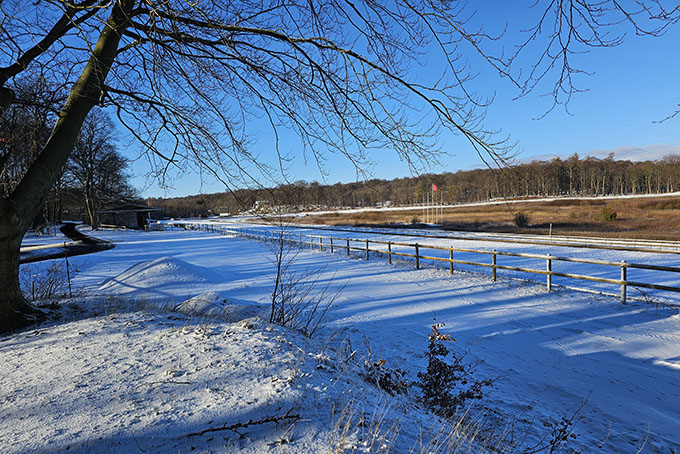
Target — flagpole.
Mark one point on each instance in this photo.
(441, 209)
(427, 218)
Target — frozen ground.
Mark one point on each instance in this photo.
(111, 378)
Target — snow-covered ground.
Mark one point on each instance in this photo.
(479, 245)
(112, 376)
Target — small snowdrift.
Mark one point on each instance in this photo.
(165, 278)
(211, 304)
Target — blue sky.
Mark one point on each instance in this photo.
(632, 87)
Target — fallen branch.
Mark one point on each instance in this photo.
(251, 422)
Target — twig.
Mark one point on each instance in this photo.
(251, 422)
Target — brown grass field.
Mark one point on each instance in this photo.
(642, 217)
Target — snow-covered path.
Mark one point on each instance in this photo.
(546, 352)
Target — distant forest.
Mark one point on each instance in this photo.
(558, 177)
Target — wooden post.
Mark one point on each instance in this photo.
(321, 243)
(493, 265)
(548, 268)
(347, 247)
(417, 257)
(331, 245)
(68, 275)
(389, 252)
(366, 249)
(451, 261)
(623, 281)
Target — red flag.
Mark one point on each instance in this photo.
(435, 187)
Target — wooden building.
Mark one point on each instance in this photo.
(130, 215)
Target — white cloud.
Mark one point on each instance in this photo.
(644, 153)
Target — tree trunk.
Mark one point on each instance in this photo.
(91, 207)
(19, 209)
(14, 310)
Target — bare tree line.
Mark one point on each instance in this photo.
(573, 177)
(95, 175)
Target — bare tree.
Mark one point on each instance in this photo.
(564, 29)
(24, 129)
(188, 78)
(96, 170)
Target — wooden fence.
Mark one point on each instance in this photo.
(416, 251)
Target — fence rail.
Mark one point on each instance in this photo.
(651, 246)
(363, 245)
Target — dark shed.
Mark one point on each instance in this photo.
(130, 215)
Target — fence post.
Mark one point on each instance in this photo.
(367, 249)
(347, 247)
(493, 265)
(548, 268)
(321, 243)
(451, 261)
(389, 252)
(331, 245)
(417, 257)
(623, 281)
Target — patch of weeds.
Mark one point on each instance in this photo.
(392, 381)
(562, 433)
(359, 431)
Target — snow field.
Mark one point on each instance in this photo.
(547, 353)
(486, 243)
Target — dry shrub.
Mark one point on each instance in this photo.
(606, 214)
(392, 381)
(299, 299)
(46, 280)
(521, 219)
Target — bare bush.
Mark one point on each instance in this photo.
(47, 281)
(300, 300)
(521, 219)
